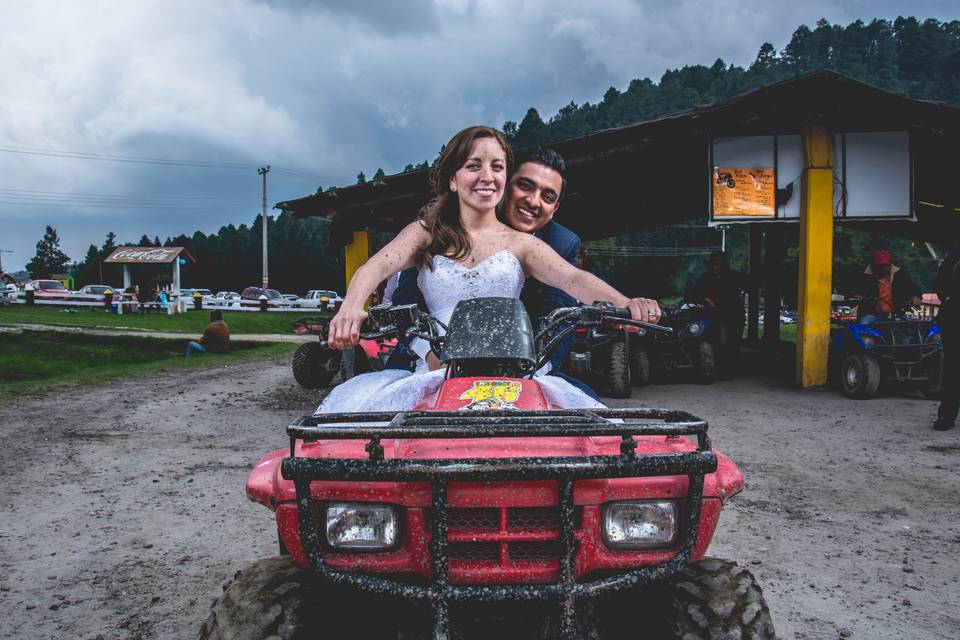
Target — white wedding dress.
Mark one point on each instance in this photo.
(499, 275)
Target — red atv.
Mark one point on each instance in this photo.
(315, 365)
(486, 512)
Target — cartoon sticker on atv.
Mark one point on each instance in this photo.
(488, 395)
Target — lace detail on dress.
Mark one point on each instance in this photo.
(499, 275)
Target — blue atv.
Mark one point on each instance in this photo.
(901, 351)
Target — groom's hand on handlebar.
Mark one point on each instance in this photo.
(345, 328)
(644, 310)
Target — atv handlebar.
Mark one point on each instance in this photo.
(560, 323)
(409, 321)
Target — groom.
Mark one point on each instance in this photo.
(533, 197)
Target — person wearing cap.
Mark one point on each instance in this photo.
(719, 291)
(216, 336)
(948, 286)
(886, 289)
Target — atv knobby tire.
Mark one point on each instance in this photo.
(313, 366)
(714, 599)
(640, 358)
(860, 376)
(267, 599)
(274, 599)
(706, 362)
(618, 369)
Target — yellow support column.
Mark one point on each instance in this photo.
(356, 254)
(816, 258)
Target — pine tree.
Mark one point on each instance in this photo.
(49, 259)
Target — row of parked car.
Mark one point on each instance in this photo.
(314, 299)
(323, 299)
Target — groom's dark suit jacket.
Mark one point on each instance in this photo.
(538, 298)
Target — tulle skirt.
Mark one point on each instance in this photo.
(401, 390)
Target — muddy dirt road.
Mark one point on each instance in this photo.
(122, 508)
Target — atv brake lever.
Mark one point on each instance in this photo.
(667, 331)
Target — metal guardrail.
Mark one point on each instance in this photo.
(94, 300)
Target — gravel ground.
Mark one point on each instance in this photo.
(122, 508)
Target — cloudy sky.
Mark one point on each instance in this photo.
(152, 117)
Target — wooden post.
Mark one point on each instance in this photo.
(816, 258)
(754, 269)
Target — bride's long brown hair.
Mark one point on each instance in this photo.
(441, 216)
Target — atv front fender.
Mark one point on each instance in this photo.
(726, 482)
(265, 484)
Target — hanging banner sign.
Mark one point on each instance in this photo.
(147, 255)
(744, 191)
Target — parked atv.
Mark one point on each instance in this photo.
(486, 512)
(690, 348)
(899, 351)
(315, 365)
(601, 357)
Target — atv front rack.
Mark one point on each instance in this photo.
(438, 472)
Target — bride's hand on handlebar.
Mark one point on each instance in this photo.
(345, 328)
(644, 310)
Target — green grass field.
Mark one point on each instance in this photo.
(189, 322)
(33, 362)
(788, 332)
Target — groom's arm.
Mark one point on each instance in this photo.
(407, 292)
(567, 244)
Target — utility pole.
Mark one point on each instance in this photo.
(3, 251)
(263, 171)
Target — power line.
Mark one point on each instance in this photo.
(109, 157)
(27, 195)
(99, 205)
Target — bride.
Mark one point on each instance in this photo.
(462, 251)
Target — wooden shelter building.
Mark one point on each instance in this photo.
(659, 173)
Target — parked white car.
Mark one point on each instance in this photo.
(323, 299)
(98, 289)
(225, 299)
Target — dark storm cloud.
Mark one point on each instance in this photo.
(387, 17)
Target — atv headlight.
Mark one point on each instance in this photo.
(639, 525)
(360, 526)
(694, 328)
(868, 342)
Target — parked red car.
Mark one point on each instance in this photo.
(274, 297)
(49, 290)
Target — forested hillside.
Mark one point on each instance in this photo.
(920, 59)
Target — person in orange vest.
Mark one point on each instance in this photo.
(886, 289)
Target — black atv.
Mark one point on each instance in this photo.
(899, 351)
(601, 357)
(315, 365)
(690, 347)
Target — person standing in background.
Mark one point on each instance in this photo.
(948, 283)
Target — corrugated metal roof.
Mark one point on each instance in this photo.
(655, 173)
